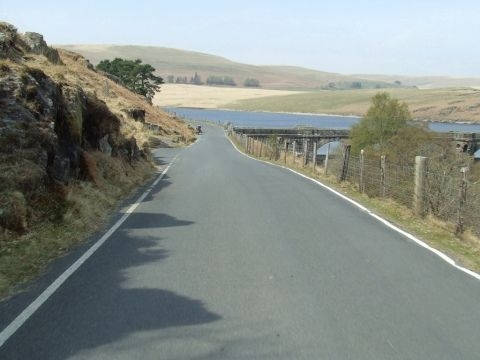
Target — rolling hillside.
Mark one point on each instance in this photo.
(425, 82)
(185, 63)
(447, 104)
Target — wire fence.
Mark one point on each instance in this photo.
(446, 192)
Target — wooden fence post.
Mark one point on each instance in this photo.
(261, 147)
(314, 153)
(294, 150)
(462, 199)
(285, 149)
(346, 160)
(246, 143)
(327, 155)
(362, 169)
(383, 175)
(305, 151)
(419, 192)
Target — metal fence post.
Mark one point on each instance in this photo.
(419, 192)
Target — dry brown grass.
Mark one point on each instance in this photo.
(116, 97)
(45, 218)
(209, 97)
(88, 204)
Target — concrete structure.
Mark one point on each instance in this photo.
(464, 142)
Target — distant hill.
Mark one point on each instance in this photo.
(176, 62)
(425, 82)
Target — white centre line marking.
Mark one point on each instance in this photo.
(50, 290)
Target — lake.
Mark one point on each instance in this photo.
(284, 120)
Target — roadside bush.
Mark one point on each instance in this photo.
(384, 118)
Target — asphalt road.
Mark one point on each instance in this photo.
(230, 258)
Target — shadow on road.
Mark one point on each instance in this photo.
(162, 184)
(140, 220)
(94, 308)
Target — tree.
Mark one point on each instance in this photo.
(251, 82)
(196, 80)
(170, 79)
(138, 77)
(383, 120)
(356, 85)
(228, 80)
(181, 80)
(221, 80)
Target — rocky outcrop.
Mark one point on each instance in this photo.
(47, 131)
(39, 46)
(14, 45)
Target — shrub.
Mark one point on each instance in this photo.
(384, 118)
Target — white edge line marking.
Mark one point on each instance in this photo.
(372, 214)
(50, 290)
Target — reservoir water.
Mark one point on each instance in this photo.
(284, 120)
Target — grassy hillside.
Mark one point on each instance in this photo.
(73, 144)
(186, 63)
(453, 104)
(425, 82)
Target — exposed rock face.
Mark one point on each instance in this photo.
(46, 131)
(39, 46)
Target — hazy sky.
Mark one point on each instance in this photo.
(422, 37)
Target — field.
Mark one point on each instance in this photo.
(210, 97)
(451, 104)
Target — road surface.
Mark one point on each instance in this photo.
(231, 258)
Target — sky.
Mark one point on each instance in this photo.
(404, 37)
